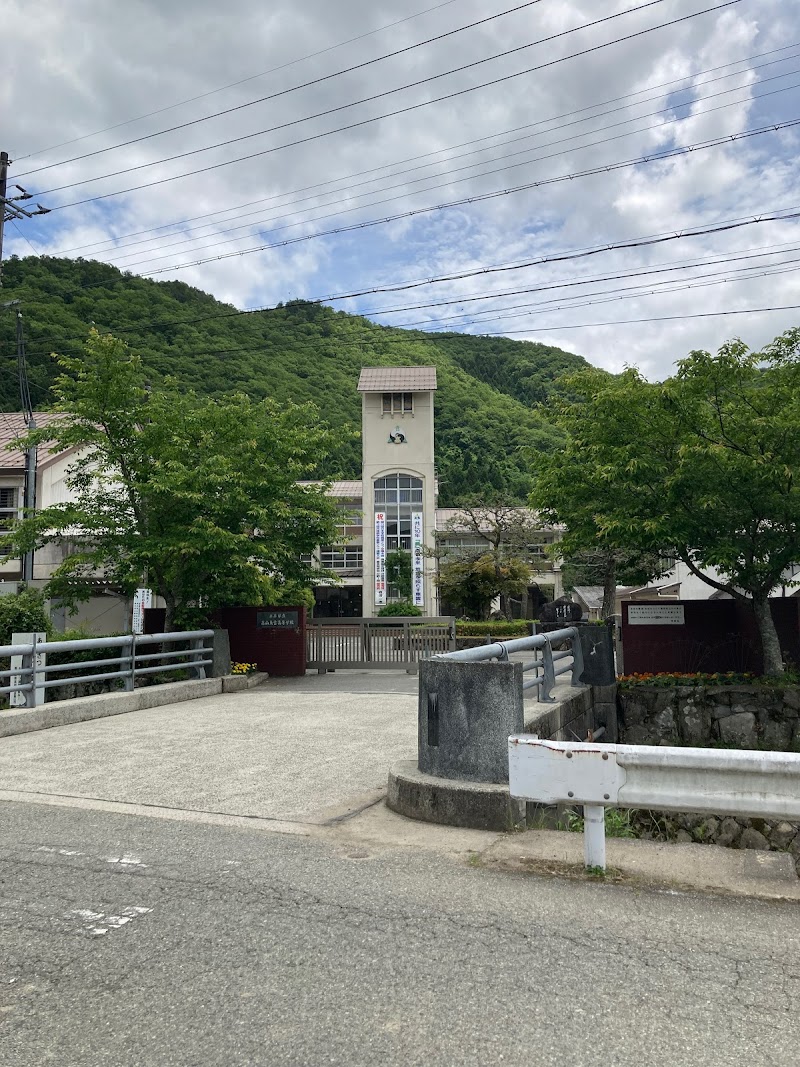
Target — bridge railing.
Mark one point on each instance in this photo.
(30, 676)
(545, 664)
(718, 781)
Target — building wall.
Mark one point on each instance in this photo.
(415, 457)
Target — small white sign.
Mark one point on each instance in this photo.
(417, 559)
(656, 615)
(142, 598)
(17, 699)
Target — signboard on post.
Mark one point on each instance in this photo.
(380, 558)
(142, 598)
(18, 699)
(418, 587)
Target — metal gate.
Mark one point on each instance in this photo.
(377, 644)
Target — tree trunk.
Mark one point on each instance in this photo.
(169, 614)
(770, 645)
(609, 588)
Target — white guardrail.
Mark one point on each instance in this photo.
(30, 674)
(718, 781)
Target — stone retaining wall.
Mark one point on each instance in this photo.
(736, 716)
(748, 717)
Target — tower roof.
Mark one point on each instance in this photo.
(397, 380)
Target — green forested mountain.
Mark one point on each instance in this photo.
(300, 351)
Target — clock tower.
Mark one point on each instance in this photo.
(399, 481)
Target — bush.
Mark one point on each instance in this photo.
(22, 613)
(665, 680)
(401, 607)
(517, 628)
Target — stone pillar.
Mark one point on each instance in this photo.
(221, 655)
(467, 711)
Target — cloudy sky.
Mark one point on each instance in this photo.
(101, 96)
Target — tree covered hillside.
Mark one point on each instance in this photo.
(300, 351)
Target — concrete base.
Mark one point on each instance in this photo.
(64, 712)
(239, 683)
(450, 802)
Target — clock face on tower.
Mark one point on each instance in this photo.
(397, 437)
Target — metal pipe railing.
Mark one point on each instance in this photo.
(32, 674)
(544, 659)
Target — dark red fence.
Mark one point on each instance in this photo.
(687, 636)
(274, 638)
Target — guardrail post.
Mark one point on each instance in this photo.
(31, 666)
(548, 675)
(577, 658)
(130, 677)
(197, 649)
(594, 836)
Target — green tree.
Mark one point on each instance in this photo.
(505, 534)
(197, 497)
(471, 583)
(399, 572)
(704, 467)
(23, 612)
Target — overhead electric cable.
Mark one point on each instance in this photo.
(294, 89)
(449, 180)
(476, 198)
(690, 79)
(368, 121)
(241, 81)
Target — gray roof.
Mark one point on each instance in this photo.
(397, 379)
(591, 595)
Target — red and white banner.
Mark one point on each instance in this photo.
(418, 586)
(380, 558)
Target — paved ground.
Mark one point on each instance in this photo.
(130, 941)
(303, 749)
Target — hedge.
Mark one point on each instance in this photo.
(517, 628)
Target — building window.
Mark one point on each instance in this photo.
(341, 557)
(9, 511)
(397, 404)
(398, 496)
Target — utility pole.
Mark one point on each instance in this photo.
(29, 492)
(10, 206)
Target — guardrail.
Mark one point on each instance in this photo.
(543, 663)
(31, 675)
(383, 643)
(718, 781)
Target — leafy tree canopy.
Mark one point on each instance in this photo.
(704, 466)
(196, 497)
(298, 352)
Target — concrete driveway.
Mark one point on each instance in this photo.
(305, 750)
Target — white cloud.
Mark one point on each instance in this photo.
(78, 68)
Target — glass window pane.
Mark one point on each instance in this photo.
(387, 403)
(408, 404)
(416, 496)
(405, 496)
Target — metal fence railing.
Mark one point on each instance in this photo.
(387, 643)
(137, 655)
(544, 666)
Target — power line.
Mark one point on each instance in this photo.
(241, 81)
(464, 144)
(376, 118)
(476, 198)
(264, 223)
(294, 89)
(575, 254)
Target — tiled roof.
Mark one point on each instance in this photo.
(445, 516)
(12, 424)
(347, 490)
(397, 379)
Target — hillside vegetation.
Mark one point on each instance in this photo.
(301, 351)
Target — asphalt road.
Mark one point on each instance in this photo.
(136, 942)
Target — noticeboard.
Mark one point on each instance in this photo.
(656, 615)
(278, 620)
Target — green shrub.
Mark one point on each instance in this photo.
(22, 613)
(400, 607)
(501, 628)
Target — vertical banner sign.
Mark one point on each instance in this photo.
(142, 598)
(416, 549)
(380, 558)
